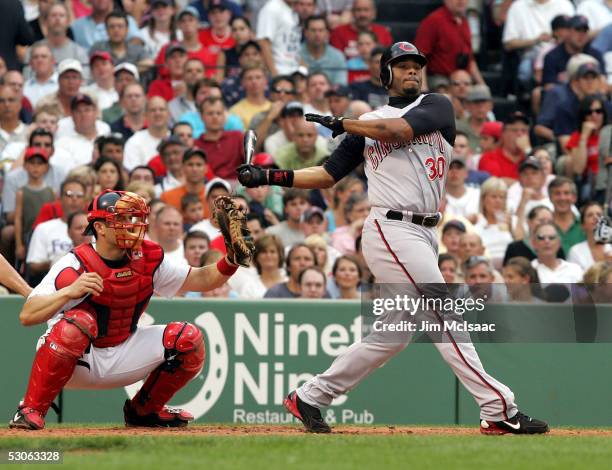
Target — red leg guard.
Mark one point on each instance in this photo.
(56, 359)
(185, 355)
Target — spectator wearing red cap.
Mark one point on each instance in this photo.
(478, 103)
(503, 162)
(102, 72)
(444, 38)
(344, 37)
(31, 197)
(224, 148)
(490, 133)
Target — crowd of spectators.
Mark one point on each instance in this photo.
(154, 96)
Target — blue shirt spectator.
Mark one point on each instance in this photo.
(318, 55)
(556, 61)
(194, 119)
(87, 32)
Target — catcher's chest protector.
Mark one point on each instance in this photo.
(126, 294)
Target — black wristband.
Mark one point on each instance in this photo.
(280, 178)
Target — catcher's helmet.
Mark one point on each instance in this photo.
(123, 211)
(398, 51)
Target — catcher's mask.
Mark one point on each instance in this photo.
(123, 211)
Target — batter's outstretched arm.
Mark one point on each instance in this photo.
(345, 159)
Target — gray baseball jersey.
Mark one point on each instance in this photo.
(409, 175)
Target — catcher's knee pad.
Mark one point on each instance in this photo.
(56, 359)
(73, 333)
(184, 344)
(184, 354)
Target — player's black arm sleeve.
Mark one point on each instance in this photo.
(434, 113)
(346, 157)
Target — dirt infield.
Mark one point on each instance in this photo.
(260, 430)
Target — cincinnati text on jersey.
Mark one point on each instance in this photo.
(377, 151)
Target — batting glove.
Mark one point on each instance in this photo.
(333, 123)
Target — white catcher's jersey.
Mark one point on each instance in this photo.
(406, 176)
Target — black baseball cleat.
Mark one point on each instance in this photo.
(166, 418)
(307, 414)
(518, 424)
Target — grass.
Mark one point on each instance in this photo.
(336, 452)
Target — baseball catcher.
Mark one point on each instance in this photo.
(92, 299)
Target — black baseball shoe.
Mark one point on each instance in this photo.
(166, 418)
(307, 414)
(518, 424)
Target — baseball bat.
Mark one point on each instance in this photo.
(250, 139)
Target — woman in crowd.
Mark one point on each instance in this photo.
(448, 266)
(588, 252)
(160, 29)
(521, 279)
(108, 173)
(583, 145)
(347, 277)
(144, 190)
(356, 210)
(341, 192)
(269, 260)
(227, 60)
(494, 221)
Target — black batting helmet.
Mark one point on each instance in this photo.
(399, 50)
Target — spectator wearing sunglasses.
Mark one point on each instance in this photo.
(282, 91)
(583, 145)
(50, 240)
(551, 269)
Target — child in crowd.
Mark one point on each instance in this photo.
(31, 197)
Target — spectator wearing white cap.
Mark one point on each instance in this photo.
(103, 87)
(70, 73)
(44, 79)
(125, 74)
(214, 188)
(62, 47)
(78, 143)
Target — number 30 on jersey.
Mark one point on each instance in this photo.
(435, 167)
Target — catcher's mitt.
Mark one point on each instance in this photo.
(232, 223)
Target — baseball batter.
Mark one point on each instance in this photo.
(407, 148)
(92, 299)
